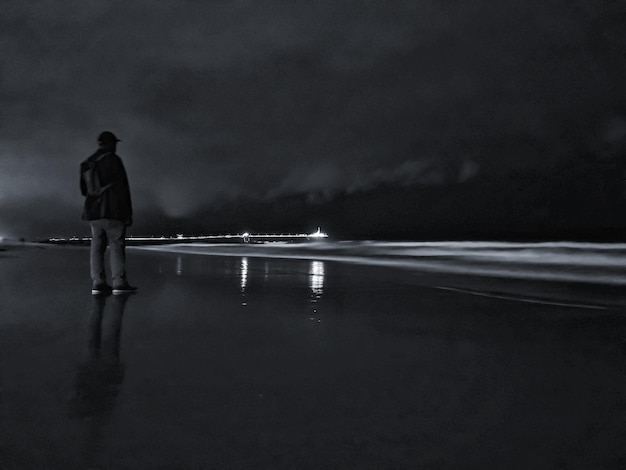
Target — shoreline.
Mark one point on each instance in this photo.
(585, 291)
(599, 289)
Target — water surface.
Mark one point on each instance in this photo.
(256, 362)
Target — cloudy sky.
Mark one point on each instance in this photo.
(227, 99)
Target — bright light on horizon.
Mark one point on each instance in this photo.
(318, 234)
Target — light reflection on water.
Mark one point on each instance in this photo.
(243, 272)
(266, 271)
(316, 278)
(315, 275)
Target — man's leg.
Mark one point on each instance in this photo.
(98, 247)
(116, 231)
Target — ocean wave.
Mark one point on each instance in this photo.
(549, 261)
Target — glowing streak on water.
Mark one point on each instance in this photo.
(243, 270)
(316, 276)
(179, 266)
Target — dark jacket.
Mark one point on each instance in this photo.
(114, 202)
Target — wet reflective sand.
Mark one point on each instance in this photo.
(245, 362)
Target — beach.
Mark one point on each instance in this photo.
(255, 361)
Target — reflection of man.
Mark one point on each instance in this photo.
(109, 211)
(98, 379)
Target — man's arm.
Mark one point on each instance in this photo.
(124, 191)
(83, 186)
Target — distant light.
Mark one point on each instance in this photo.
(318, 234)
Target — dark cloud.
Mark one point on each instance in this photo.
(224, 99)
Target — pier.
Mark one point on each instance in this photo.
(244, 237)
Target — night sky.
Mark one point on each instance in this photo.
(405, 119)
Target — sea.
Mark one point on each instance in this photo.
(596, 263)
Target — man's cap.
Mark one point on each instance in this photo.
(107, 137)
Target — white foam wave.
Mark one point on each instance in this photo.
(549, 261)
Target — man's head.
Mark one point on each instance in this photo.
(107, 140)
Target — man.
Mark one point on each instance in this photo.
(108, 209)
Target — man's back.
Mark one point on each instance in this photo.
(114, 200)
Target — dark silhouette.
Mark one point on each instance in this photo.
(108, 209)
(99, 378)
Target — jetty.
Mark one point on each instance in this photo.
(245, 237)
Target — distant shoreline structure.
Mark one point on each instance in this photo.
(244, 237)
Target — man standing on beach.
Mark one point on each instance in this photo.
(108, 209)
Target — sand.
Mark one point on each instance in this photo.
(232, 362)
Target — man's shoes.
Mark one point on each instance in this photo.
(125, 289)
(101, 289)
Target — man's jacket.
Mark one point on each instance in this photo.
(114, 201)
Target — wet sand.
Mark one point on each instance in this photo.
(231, 362)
